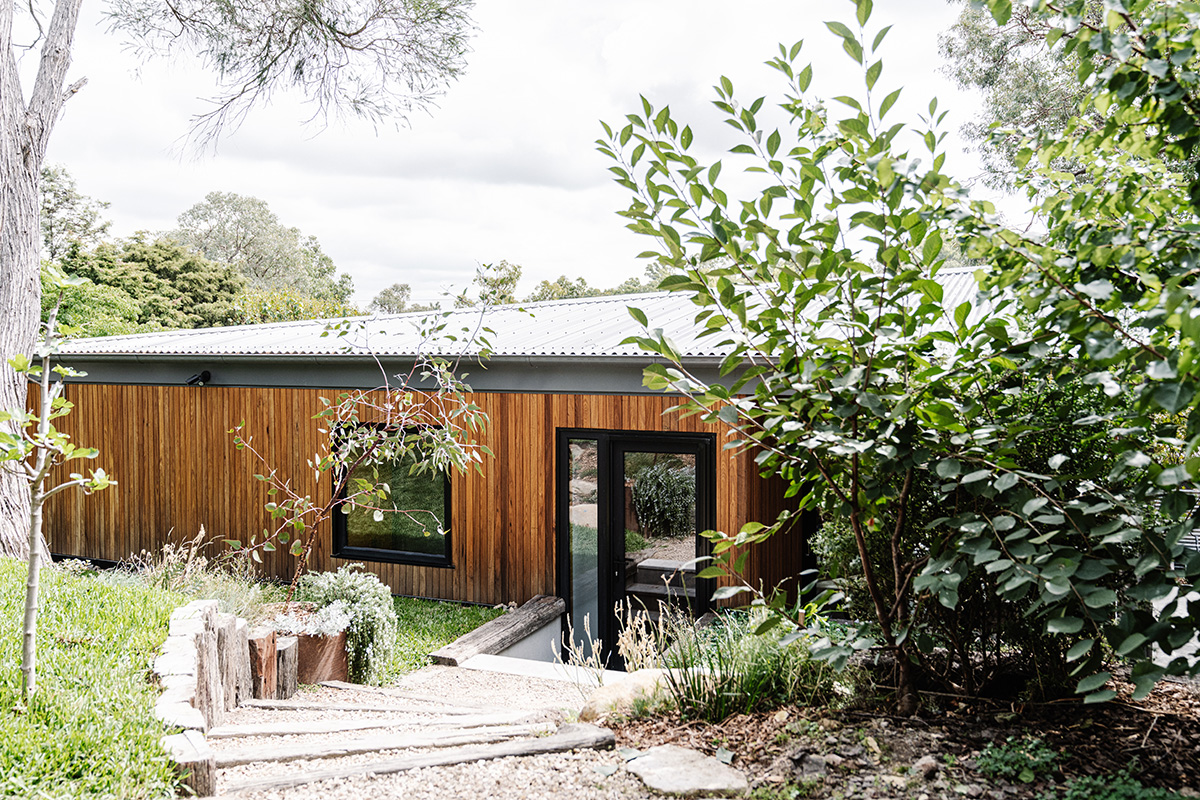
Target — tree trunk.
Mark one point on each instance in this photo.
(24, 133)
(20, 309)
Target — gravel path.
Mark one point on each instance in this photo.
(583, 774)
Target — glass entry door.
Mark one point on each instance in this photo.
(631, 506)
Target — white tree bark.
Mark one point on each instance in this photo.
(25, 129)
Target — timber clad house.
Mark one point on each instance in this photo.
(571, 428)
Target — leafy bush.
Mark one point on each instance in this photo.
(985, 634)
(371, 637)
(1017, 759)
(664, 499)
(1122, 786)
(89, 730)
(634, 541)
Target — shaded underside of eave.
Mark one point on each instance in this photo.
(551, 375)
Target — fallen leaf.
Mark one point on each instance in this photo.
(724, 756)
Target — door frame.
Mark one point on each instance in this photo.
(611, 548)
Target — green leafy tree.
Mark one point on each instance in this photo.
(31, 451)
(245, 234)
(494, 284)
(562, 289)
(91, 309)
(372, 60)
(1025, 84)
(395, 300)
(68, 217)
(172, 286)
(855, 380)
(392, 300)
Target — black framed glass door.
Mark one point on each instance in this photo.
(631, 506)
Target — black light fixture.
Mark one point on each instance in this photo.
(200, 379)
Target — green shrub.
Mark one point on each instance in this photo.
(634, 541)
(90, 729)
(1122, 786)
(985, 634)
(371, 637)
(1017, 759)
(664, 499)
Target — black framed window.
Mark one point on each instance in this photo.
(414, 525)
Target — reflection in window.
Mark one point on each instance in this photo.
(412, 525)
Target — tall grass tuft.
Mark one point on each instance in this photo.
(724, 668)
(90, 730)
(189, 569)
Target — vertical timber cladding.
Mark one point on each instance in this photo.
(177, 469)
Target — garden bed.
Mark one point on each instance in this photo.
(797, 752)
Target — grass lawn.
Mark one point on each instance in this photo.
(426, 625)
(90, 730)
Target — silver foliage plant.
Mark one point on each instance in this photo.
(371, 635)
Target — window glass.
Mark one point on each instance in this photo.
(412, 525)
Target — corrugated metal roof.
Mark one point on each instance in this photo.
(583, 327)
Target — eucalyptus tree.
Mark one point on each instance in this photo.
(245, 234)
(374, 60)
(68, 217)
(1025, 83)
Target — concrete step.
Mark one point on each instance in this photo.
(661, 571)
(540, 669)
(649, 594)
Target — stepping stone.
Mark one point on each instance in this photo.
(679, 771)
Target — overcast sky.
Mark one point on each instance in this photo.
(506, 167)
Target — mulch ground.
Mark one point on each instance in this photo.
(861, 754)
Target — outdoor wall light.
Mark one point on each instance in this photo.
(200, 379)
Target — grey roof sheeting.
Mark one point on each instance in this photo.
(570, 346)
(591, 326)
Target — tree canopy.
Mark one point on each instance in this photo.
(379, 61)
(169, 285)
(68, 217)
(1026, 84)
(245, 234)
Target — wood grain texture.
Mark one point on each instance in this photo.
(502, 632)
(177, 469)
